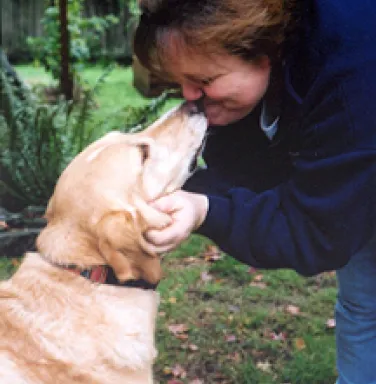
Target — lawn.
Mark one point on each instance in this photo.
(221, 321)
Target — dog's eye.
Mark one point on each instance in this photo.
(144, 148)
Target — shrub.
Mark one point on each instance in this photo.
(38, 140)
(85, 38)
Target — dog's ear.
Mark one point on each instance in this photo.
(153, 173)
(144, 144)
(119, 243)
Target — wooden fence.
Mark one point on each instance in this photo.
(21, 18)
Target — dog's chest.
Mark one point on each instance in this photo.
(99, 337)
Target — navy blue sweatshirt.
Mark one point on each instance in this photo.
(306, 199)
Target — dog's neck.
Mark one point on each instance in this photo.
(103, 274)
(115, 242)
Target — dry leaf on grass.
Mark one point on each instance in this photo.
(258, 277)
(16, 262)
(206, 276)
(257, 284)
(179, 371)
(193, 347)
(212, 253)
(264, 366)
(281, 336)
(179, 331)
(300, 344)
(331, 323)
(230, 338)
(293, 310)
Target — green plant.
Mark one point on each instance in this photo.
(38, 140)
(85, 35)
(138, 118)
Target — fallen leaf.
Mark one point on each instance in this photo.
(331, 323)
(281, 336)
(235, 357)
(233, 308)
(172, 300)
(230, 338)
(205, 276)
(179, 371)
(299, 344)
(293, 310)
(256, 284)
(191, 260)
(212, 253)
(15, 262)
(167, 370)
(263, 366)
(220, 376)
(193, 347)
(258, 277)
(178, 329)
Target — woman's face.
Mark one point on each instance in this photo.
(230, 86)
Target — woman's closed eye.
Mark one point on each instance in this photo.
(207, 81)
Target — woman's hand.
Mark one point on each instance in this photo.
(188, 211)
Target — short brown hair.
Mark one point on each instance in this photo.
(246, 28)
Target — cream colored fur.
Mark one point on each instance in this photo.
(59, 328)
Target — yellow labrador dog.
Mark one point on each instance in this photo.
(81, 309)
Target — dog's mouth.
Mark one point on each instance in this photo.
(198, 161)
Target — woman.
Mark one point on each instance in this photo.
(289, 90)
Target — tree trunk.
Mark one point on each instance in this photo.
(66, 80)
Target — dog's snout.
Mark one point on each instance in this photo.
(193, 108)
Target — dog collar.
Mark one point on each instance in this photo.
(104, 274)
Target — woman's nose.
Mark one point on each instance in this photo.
(191, 92)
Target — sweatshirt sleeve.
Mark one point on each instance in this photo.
(312, 223)
(325, 211)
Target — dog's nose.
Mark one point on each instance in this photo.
(200, 105)
(193, 107)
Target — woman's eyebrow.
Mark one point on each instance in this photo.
(193, 77)
(199, 77)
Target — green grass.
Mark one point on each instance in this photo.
(241, 322)
(237, 325)
(116, 91)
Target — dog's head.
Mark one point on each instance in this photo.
(99, 210)
(170, 149)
